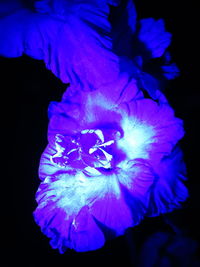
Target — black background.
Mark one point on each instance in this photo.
(27, 87)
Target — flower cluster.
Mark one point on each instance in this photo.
(113, 155)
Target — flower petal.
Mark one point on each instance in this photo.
(168, 191)
(153, 34)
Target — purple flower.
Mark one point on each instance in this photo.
(112, 157)
(103, 173)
